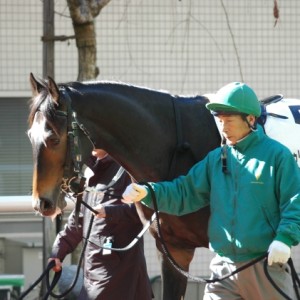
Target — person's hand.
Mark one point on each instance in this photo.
(101, 211)
(99, 153)
(134, 193)
(58, 264)
(278, 253)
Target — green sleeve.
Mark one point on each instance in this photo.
(184, 194)
(288, 191)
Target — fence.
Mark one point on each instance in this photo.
(186, 47)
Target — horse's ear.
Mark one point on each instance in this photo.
(53, 89)
(36, 86)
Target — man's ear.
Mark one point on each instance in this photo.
(251, 119)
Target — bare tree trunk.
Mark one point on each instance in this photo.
(86, 44)
(83, 13)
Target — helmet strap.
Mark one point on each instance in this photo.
(252, 127)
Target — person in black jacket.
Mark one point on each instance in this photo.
(108, 275)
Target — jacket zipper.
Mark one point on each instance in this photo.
(233, 221)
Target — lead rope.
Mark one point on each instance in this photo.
(136, 239)
(172, 260)
(295, 278)
(51, 286)
(294, 275)
(51, 264)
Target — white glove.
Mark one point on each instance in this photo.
(134, 193)
(278, 253)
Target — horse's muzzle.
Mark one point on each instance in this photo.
(44, 206)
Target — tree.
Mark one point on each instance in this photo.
(83, 13)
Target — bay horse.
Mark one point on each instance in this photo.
(153, 134)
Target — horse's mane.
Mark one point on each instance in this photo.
(44, 103)
(82, 86)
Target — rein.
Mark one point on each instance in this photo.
(76, 184)
(172, 261)
(51, 264)
(57, 275)
(74, 158)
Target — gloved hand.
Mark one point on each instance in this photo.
(134, 193)
(278, 253)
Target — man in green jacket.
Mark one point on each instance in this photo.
(252, 184)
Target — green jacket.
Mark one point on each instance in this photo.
(257, 201)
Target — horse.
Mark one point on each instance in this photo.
(153, 134)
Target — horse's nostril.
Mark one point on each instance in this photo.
(45, 204)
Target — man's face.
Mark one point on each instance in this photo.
(233, 127)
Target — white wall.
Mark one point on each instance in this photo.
(33, 268)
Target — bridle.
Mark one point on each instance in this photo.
(73, 168)
(73, 182)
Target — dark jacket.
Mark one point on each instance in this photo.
(119, 275)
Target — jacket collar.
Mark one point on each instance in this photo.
(251, 139)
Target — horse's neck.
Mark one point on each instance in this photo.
(126, 130)
(139, 129)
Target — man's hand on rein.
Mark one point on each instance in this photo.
(134, 193)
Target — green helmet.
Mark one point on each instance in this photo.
(235, 97)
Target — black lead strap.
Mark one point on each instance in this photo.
(172, 260)
(295, 278)
(224, 159)
(264, 256)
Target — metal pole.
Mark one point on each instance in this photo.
(48, 38)
(48, 70)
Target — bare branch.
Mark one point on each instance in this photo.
(276, 12)
(61, 38)
(233, 40)
(84, 11)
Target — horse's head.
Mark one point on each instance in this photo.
(48, 135)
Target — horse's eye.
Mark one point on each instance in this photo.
(53, 141)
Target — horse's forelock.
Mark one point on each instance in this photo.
(43, 108)
(43, 103)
